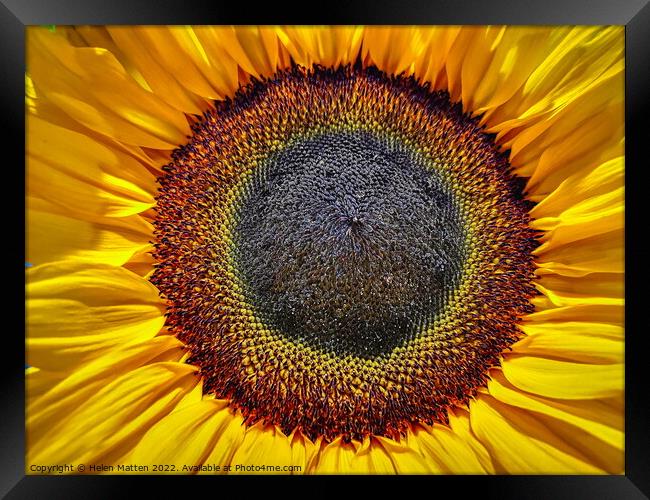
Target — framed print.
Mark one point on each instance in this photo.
(385, 246)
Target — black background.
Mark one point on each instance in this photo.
(16, 14)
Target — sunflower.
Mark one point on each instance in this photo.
(325, 249)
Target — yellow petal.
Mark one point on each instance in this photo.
(430, 63)
(142, 262)
(384, 459)
(562, 379)
(110, 421)
(449, 461)
(588, 313)
(79, 174)
(602, 180)
(517, 51)
(229, 438)
(544, 327)
(453, 447)
(596, 215)
(91, 86)
(39, 382)
(215, 61)
(520, 444)
(39, 106)
(595, 450)
(374, 456)
(584, 134)
(392, 49)
(203, 68)
(582, 118)
(36, 105)
(575, 137)
(336, 458)
(575, 62)
(468, 60)
(253, 48)
(405, 458)
(589, 415)
(78, 311)
(546, 302)
(580, 346)
(266, 450)
(595, 288)
(455, 58)
(98, 36)
(597, 102)
(476, 61)
(304, 451)
(583, 55)
(131, 42)
(53, 235)
(79, 384)
(603, 253)
(85, 197)
(186, 437)
(327, 45)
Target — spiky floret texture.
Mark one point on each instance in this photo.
(348, 243)
(308, 184)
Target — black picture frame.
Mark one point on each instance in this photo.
(15, 15)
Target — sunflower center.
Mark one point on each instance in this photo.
(343, 252)
(348, 243)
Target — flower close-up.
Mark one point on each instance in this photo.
(366, 250)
